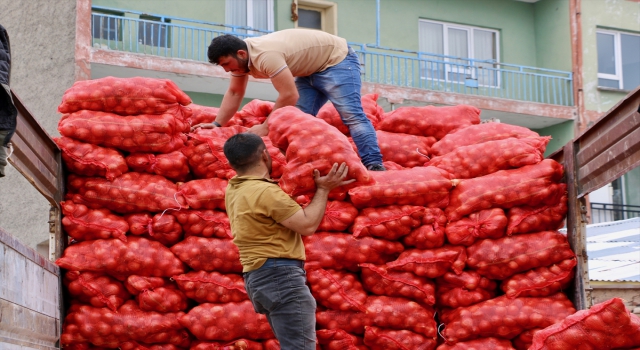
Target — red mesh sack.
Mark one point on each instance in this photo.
(133, 345)
(430, 263)
(465, 289)
(172, 165)
(406, 150)
(479, 344)
(530, 185)
(156, 294)
(399, 313)
(337, 339)
(431, 233)
(140, 133)
(311, 144)
(103, 327)
(380, 281)
(84, 346)
(389, 165)
(240, 321)
(240, 344)
(524, 340)
(505, 318)
(204, 223)
(338, 216)
(540, 282)
(162, 299)
(480, 133)
(344, 252)
(137, 256)
(83, 224)
(608, 325)
(96, 289)
(204, 193)
(209, 254)
(507, 256)
(91, 160)
(488, 223)
(136, 284)
(329, 114)
(429, 120)
(129, 193)
(203, 114)
(253, 113)
(384, 339)
(205, 152)
(389, 223)
(212, 287)
(424, 186)
(124, 96)
(337, 290)
(349, 321)
(163, 228)
(467, 162)
(535, 219)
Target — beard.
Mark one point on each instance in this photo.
(243, 64)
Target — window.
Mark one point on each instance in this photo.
(618, 60)
(256, 14)
(152, 32)
(318, 14)
(454, 50)
(105, 26)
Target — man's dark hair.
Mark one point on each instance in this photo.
(243, 151)
(225, 45)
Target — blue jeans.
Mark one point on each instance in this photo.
(281, 294)
(341, 85)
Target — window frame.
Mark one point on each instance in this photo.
(155, 21)
(118, 25)
(472, 68)
(328, 14)
(617, 51)
(250, 16)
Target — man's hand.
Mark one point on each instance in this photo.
(203, 126)
(335, 177)
(260, 129)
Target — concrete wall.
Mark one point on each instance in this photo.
(560, 135)
(553, 35)
(620, 15)
(631, 296)
(42, 35)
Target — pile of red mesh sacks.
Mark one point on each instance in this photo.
(454, 247)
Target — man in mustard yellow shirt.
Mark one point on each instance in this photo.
(307, 68)
(267, 227)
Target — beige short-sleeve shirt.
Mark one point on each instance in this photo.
(303, 51)
(256, 206)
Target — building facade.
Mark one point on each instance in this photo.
(531, 63)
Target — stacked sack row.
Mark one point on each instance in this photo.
(459, 232)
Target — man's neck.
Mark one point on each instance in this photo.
(258, 172)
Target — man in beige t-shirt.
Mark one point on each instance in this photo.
(307, 68)
(267, 227)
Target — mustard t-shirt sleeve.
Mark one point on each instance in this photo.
(281, 206)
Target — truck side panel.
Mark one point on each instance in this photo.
(29, 297)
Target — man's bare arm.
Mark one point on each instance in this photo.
(230, 102)
(307, 220)
(285, 84)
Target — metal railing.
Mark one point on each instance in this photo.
(188, 39)
(606, 212)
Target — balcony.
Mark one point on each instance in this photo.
(606, 212)
(188, 39)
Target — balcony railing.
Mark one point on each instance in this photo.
(188, 39)
(606, 212)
